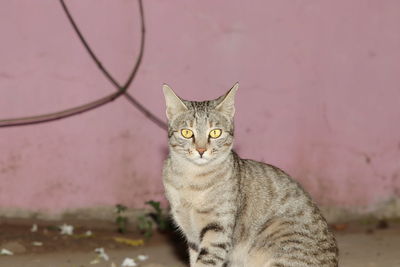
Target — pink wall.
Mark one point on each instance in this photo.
(319, 96)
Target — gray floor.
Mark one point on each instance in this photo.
(380, 248)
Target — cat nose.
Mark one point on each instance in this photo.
(201, 150)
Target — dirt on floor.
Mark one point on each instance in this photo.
(361, 244)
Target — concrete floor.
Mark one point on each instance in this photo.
(379, 249)
(366, 248)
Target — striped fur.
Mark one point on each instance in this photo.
(236, 212)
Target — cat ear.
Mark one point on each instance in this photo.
(173, 102)
(227, 104)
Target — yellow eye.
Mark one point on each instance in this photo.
(215, 133)
(187, 133)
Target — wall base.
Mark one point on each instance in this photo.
(389, 209)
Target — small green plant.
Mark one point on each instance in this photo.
(158, 216)
(121, 220)
(145, 225)
(162, 220)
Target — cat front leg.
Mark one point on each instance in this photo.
(193, 252)
(215, 243)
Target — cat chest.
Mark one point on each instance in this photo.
(186, 206)
(187, 214)
(187, 200)
(186, 192)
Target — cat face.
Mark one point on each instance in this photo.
(200, 132)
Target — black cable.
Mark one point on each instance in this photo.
(101, 101)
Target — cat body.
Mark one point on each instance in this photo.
(236, 212)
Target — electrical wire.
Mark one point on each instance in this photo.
(121, 90)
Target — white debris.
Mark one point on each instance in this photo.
(34, 228)
(66, 229)
(113, 264)
(95, 261)
(88, 233)
(4, 251)
(128, 262)
(37, 243)
(143, 257)
(102, 253)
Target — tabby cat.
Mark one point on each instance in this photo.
(236, 212)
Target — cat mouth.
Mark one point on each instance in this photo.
(201, 160)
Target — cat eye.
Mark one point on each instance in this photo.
(215, 133)
(187, 133)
